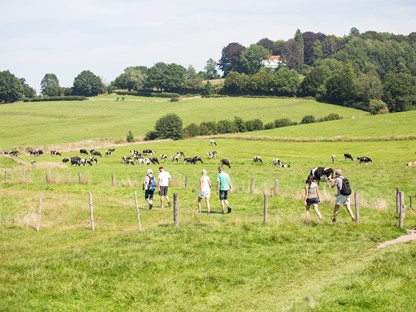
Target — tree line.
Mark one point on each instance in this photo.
(371, 71)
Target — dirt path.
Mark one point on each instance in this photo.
(402, 239)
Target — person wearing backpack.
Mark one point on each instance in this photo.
(343, 194)
(149, 187)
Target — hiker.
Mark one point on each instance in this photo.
(205, 190)
(163, 183)
(223, 187)
(312, 197)
(149, 186)
(343, 194)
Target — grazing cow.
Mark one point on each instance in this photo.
(411, 164)
(320, 172)
(83, 151)
(148, 152)
(127, 160)
(76, 160)
(65, 160)
(14, 153)
(257, 159)
(334, 158)
(364, 159)
(55, 153)
(212, 155)
(180, 154)
(109, 152)
(189, 160)
(35, 152)
(163, 157)
(135, 153)
(95, 153)
(276, 162)
(348, 156)
(212, 142)
(284, 165)
(174, 158)
(197, 158)
(93, 160)
(154, 160)
(225, 162)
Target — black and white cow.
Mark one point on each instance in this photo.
(364, 159)
(319, 172)
(163, 157)
(96, 153)
(189, 160)
(127, 160)
(257, 159)
(148, 152)
(225, 162)
(348, 156)
(198, 158)
(109, 152)
(65, 160)
(36, 152)
(76, 160)
(212, 142)
(276, 162)
(174, 158)
(135, 153)
(284, 165)
(83, 151)
(154, 160)
(55, 153)
(334, 158)
(212, 155)
(180, 154)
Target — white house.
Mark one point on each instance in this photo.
(273, 62)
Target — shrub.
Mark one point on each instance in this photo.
(284, 122)
(191, 130)
(254, 125)
(308, 119)
(151, 135)
(169, 127)
(269, 125)
(130, 137)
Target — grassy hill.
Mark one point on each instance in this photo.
(104, 117)
(211, 262)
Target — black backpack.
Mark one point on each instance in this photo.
(345, 187)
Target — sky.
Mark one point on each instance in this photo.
(106, 36)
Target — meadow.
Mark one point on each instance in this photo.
(211, 262)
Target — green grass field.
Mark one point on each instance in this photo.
(211, 262)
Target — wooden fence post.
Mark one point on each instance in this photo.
(39, 213)
(186, 181)
(402, 210)
(175, 210)
(266, 209)
(137, 210)
(5, 174)
(79, 177)
(252, 186)
(397, 201)
(357, 208)
(276, 187)
(92, 214)
(113, 179)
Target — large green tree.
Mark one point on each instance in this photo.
(286, 82)
(133, 78)
(50, 85)
(251, 58)
(10, 87)
(170, 127)
(211, 70)
(87, 84)
(166, 77)
(399, 91)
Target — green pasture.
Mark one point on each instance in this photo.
(103, 117)
(211, 262)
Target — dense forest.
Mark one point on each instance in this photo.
(371, 71)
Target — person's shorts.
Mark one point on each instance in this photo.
(204, 194)
(342, 200)
(223, 195)
(148, 194)
(163, 191)
(311, 201)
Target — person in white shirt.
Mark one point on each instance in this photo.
(163, 183)
(205, 190)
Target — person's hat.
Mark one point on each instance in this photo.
(338, 172)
